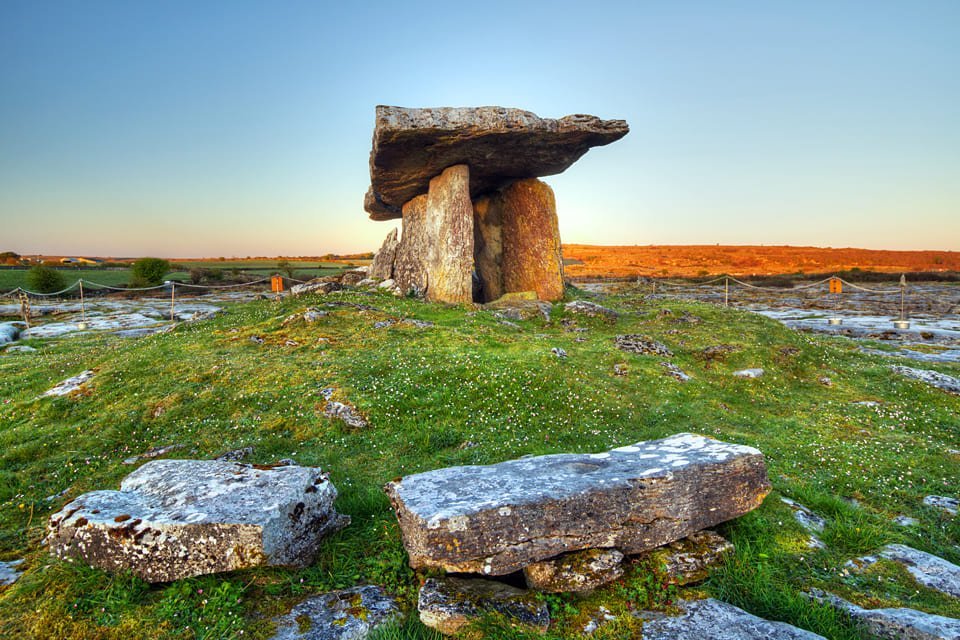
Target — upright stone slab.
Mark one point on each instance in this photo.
(531, 240)
(499, 518)
(175, 519)
(488, 246)
(415, 249)
(382, 266)
(449, 226)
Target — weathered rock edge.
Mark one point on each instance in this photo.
(499, 518)
(175, 519)
(501, 145)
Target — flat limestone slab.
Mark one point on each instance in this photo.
(500, 145)
(894, 623)
(715, 620)
(174, 519)
(351, 614)
(499, 518)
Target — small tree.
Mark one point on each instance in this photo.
(45, 280)
(148, 272)
(286, 267)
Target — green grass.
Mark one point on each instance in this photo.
(468, 391)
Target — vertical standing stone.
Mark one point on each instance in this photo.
(415, 248)
(382, 267)
(448, 224)
(488, 245)
(531, 240)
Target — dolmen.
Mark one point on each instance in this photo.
(476, 221)
(568, 521)
(175, 519)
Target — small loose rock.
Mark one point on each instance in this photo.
(639, 344)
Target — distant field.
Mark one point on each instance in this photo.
(590, 261)
(10, 279)
(257, 264)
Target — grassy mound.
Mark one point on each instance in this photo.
(470, 390)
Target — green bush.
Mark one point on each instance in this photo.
(148, 272)
(45, 280)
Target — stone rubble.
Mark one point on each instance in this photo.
(175, 519)
(590, 309)
(676, 372)
(633, 343)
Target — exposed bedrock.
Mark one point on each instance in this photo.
(499, 518)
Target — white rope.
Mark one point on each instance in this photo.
(856, 286)
(222, 286)
(47, 295)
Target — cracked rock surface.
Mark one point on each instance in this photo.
(448, 604)
(174, 519)
(499, 518)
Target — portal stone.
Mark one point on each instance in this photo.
(449, 226)
(531, 240)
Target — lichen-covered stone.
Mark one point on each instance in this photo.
(501, 145)
(382, 266)
(449, 226)
(531, 240)
(499, 518)
(350, 614)
(576, 571)
(715, 620)
(748, 373)
(449, 604)
(690, 559)
(676, 372)
(894, 623)
(174, 519)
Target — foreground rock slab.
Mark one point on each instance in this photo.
(577, 571)
(501, 145)
(714, 620)
(449, 604)
(895, 623)
(948, 504)
(499, 518)
(350, 614)
(174, 519)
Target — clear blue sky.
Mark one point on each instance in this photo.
(243, 128)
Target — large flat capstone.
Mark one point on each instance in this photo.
(500, 145)
(174, 519)
(499, 518)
